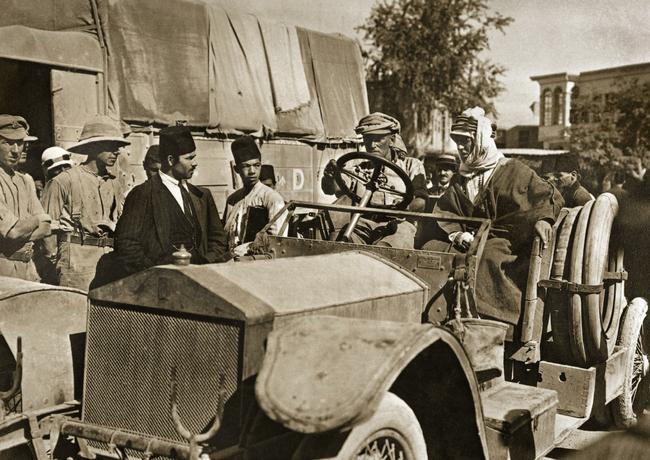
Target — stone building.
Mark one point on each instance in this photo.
(556, 91)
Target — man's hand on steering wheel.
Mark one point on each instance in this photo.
(371, 173)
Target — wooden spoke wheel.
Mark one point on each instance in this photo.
(391, 433)
(630, 404)
(385, 445)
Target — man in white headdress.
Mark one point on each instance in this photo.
(519, 203)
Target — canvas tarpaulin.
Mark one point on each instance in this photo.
(194, 61)
(158, 61)
(305, 118)
(77, 50)
(48, 14)
(288, 80)
(240, 90)
(340, 86)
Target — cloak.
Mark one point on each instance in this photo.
(514, 199)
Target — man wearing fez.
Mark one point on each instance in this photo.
(85, 203)
(22, 219)
(253, 199)
(566, 178)
(167, 211)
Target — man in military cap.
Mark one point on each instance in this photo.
(22, 218)
(381, 136)
(255, 203)
(85, 203)
(167, 211)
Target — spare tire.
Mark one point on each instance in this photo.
(576, 335)
(557, 301)
(595, 262)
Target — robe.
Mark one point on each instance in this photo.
(514, 199)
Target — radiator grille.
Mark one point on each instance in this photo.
(130, 353)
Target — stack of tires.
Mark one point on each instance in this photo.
(588, 322)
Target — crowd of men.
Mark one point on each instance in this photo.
(87, 230)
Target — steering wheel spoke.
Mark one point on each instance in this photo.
(355, 176)
(378, 180)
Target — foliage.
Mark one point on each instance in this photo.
(427, 52)
(611, 131)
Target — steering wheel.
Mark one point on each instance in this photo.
(371, 174)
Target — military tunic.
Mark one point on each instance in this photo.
(82, 205)
(17, 201)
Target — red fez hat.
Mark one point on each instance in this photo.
(176, 141)
(245, 148)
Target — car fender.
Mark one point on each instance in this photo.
(322, 373)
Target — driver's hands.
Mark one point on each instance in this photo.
(463, 240)
(330, 169)
(544, 230)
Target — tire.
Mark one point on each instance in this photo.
(578, 349)
(598, 345)
(392, 426)
(557, 302)
(626, 406)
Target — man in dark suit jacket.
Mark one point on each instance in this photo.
(166, 212)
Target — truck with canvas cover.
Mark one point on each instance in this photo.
(150, 64)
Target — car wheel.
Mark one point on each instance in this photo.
(631, 402)
(391, 433)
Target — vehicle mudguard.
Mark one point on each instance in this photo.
(323, 372)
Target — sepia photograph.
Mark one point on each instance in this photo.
(324, 229)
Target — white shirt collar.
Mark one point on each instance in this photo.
(169, 179)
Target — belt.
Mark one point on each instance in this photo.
(87, 240)
(24, 255)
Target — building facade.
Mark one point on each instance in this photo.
(557, 90)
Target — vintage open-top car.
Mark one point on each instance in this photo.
(328, 349)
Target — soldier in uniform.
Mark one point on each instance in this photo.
(22, 219)
(166, 212)
(381, 136)
(85, 203)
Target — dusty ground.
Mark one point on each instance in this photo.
(577, 440)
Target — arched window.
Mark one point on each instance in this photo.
(558, 107)
(547, 106)
(573, 113)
